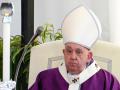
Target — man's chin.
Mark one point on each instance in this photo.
(74, 71)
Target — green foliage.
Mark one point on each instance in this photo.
(15, 45)
(50, 34)
(15, 49)
(15, 54)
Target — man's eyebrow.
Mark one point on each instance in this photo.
(79, 49)
(67, 46)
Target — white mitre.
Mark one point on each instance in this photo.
(81, 26)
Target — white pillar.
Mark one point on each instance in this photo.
(6, 48)
(114, 18)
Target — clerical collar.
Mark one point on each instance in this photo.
(84, 75)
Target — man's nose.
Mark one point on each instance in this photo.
(73, 56)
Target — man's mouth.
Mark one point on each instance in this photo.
(73, 64)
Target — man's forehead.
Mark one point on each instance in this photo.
(74, 45)
(71, 44)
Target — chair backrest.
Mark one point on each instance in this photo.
(50, 55)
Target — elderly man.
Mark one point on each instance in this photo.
(81, 29)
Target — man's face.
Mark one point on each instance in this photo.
(76, 57)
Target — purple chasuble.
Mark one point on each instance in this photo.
(52, 80)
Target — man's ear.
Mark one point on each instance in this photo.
(90, 55)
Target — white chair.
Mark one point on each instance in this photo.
(50, 55)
